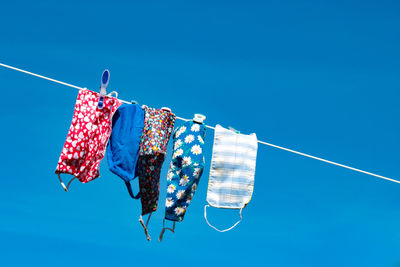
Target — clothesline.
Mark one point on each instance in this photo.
(261, 142)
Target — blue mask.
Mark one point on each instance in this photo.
(123, 147)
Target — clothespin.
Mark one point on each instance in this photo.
(105, 79)
(166, 109)
(233, 130)
(199, 118)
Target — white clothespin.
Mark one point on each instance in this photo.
(105, 79)
(199, 118)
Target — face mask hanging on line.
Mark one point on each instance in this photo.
(158, 127)
(232, 172)
(88, 135)
(123, 147)
(186, 168)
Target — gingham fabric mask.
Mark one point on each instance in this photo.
(232, 171)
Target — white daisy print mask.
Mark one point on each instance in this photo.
(186, 167)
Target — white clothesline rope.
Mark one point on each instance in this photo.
(261, 142)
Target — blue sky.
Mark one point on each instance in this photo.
(316, 76)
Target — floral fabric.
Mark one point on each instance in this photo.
(158, 127)
(87, 137)
(149, 181)
(185, 170)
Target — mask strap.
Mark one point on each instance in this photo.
(129, 186)
(145, 226)
(166, 228)
(230, 228)
(62, 183)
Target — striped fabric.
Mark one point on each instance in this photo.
(232, 169)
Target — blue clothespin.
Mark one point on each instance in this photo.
(105, 79)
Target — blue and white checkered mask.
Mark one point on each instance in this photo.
(232, 171)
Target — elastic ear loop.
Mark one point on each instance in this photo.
(230, 228)
(145, 226)
(129, 186)
(62, 183)
(166, 228)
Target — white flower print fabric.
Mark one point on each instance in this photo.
(185, 170)
(87, 138)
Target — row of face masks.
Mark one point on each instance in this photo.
(137, 148)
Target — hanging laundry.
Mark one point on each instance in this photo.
(232, 171)
(185, 170)
(87, 137)
(123, 147)
(158, 126)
